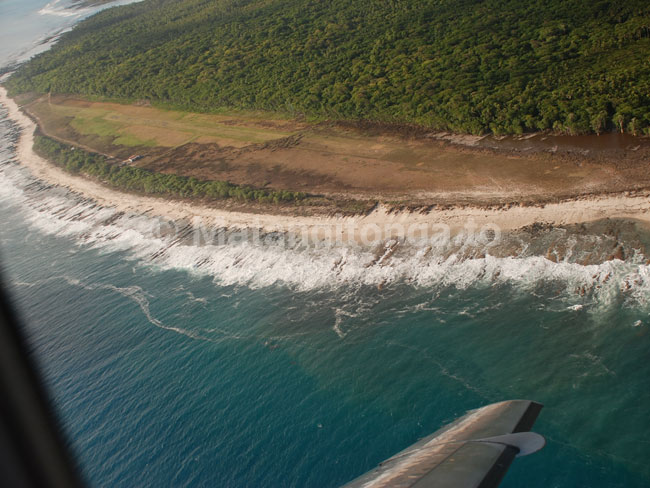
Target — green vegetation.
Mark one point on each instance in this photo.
(505, 66)
(75, 160)
(129, 125)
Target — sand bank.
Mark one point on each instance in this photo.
(381, 224)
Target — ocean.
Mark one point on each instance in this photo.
(252, 363)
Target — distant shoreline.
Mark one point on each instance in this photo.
(385, 224)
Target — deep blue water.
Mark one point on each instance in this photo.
(257, 390)
(248, 373)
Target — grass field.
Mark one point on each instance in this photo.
(264, 151)
(130, 125)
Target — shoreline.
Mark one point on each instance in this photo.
(380, 225)
(344, 169)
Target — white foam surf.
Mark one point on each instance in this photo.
(576, 266)
(58, 9)
(270, 261)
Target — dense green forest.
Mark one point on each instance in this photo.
(129, 178)
(505, 66)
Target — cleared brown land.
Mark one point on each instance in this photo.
(356, 161)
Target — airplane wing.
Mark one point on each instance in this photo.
(474, 451)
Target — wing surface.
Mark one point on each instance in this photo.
(474, 451)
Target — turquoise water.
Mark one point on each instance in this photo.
(254, 365)
(258, 391)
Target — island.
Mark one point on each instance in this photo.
(510, 113)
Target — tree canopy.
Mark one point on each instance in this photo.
(129, 178)
(502, 66)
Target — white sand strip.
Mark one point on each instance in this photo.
(380, 224)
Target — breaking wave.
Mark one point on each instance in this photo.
(584, 266)
(60, 10)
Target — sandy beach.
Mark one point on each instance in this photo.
(380, 224)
